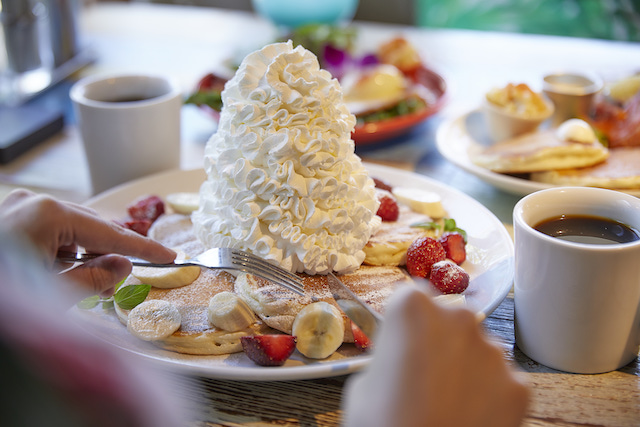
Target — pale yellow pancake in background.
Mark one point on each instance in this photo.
(621, 171)
(539, 151)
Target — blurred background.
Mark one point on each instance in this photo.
(605, 19)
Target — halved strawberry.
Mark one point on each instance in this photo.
(146, 207)
(388, 210)
(448, 277)
(361, 340)
(269, 350)
(422, 254)
(454, 245)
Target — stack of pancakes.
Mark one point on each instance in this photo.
(546, 158)
(275, 306)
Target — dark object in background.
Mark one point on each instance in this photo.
(25, 126)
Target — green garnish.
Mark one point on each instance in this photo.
(406, 106)
(211, 98)
(130, 296)
(449, 224)
(126, 297)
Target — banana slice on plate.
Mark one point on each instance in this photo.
(319, 328)
(183, 203)
(167, 277)
(230, 312)
(153, 320)
(422, 201)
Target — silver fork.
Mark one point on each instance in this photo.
(217, 258)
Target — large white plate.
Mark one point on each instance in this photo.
(458, 139)
(490, 265)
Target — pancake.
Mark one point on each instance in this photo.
(539, 151)
(621, 171)
(196, 335)
(176, 231)
(389, 244)
(278, 307)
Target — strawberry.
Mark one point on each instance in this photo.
(448, 277)
(382, 185)
(140, 226)
(148, 207)
(422, 254)
(454, 245)
(388, 210)
(360, 339)
(268, 350)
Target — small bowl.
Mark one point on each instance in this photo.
(573, 94)
(503, 124)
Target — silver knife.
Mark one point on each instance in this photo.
(367, 319)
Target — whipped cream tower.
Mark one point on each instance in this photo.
(283, 181)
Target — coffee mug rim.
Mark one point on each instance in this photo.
(518, 218)
(77, 92)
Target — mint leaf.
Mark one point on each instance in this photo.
(89, 302)
(450, 225)
(129, 296)
(427, 225)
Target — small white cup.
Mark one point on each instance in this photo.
(577, 305)
(129, 124)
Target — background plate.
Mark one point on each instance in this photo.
(489, 263)
(458, 139)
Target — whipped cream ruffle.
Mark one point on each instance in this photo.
(283, 179)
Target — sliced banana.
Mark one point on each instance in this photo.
(230, 312)
(451, 300)
(153, 320)
(319, 328)
(422, 201)
(169, 277)
(183, 203)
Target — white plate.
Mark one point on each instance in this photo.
(490, 265)
(458, 139)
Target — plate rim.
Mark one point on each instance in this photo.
(321, 369)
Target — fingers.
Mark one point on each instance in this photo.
(51, 224)
(99, 276)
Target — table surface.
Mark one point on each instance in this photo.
(188, 42)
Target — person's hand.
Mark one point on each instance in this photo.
(52, 225)
(432, 366)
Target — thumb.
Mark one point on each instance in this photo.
(100, 275)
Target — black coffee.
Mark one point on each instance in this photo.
(588, 229)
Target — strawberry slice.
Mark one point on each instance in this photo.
(454, 245)
(422, 254)
(269, 350)
(361, 340)
(448, 277)
(147, 207)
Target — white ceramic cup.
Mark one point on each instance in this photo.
(129, 124)
(577, 305)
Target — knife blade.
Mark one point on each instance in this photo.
(359, 312)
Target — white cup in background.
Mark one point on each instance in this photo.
(129, 124)
(577, 305)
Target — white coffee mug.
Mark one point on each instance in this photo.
(129, 124)
(577, 305)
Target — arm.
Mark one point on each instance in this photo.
(432, 366)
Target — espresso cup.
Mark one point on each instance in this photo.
(129, 124)
(576, 304)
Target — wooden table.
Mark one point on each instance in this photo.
(188, 42)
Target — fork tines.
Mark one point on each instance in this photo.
(268, 271)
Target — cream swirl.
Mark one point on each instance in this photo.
(283, 180)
